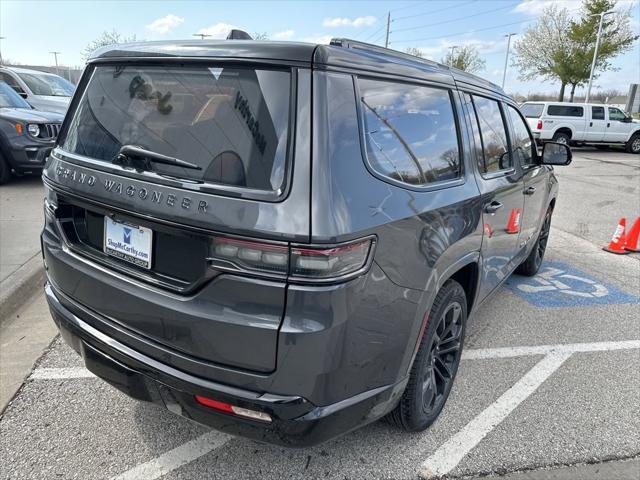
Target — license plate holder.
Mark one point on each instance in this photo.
(130, 243)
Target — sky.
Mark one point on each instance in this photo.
(32, 29)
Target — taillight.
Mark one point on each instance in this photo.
(539, 125)
(311, 263)
(249, 255)
(334, 262)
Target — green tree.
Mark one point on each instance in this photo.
(558, 48)
(106, 39)
(465, 58)
(616, 38)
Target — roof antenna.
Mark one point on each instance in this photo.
(238, 35)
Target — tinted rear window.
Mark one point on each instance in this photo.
(230, 121)
(565, 111)
(532, 110)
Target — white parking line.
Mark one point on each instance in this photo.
(445, 458)
(60, 373)
(442, 461)
(507, 352)
(179, 456)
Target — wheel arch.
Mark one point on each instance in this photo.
(467, 273)
(563, 129)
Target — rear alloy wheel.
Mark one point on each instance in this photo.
(633, 145)
(533, 262)
(436, 362)
(5, 171)
(561, 138)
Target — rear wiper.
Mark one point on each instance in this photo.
(141, 159)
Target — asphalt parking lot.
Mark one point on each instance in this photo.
(548, 386)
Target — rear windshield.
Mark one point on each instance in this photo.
(232, 122)
(532, 110)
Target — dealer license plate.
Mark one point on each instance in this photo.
(128, 242)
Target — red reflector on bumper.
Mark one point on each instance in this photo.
(208, 402)
(232, 409)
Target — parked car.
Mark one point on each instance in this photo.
(284, 240)
(44, 91)
(583, 123)
(26, 135)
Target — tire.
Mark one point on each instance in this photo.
(5, 171)
(561, 137)
(533, 262)
(633, 145)
(433, 371)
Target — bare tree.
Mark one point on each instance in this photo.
(465, 58)
(416, 52)
(106, 39)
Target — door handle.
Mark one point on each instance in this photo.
(493, 207)
(591, 124)
(530, 190)
(608, 124)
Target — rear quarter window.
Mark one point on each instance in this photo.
(410, 132)
(532, 110)
(565, 111)
(230, 121)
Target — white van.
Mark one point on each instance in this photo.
(582, 123)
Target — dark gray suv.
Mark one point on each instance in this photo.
(284, 241)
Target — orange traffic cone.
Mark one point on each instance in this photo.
(514, 221)
(616, 245)
(632, 240)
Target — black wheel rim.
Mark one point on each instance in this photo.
(543, 238)
(443, 357)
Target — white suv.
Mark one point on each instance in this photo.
(582, 123)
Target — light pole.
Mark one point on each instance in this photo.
(1, 38)
(451, 55)
(595, 52)
(506, 58)
(55, 55)
(386, 38)
(201, 35)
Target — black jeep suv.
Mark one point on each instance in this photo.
(281, 240)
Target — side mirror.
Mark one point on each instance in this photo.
(627, 120)
(556, 154)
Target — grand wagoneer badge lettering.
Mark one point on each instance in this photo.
(129, 190)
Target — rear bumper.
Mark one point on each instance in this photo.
(296, 422)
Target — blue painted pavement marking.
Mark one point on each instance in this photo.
(559, 285)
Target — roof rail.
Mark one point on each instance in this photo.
(349, 43)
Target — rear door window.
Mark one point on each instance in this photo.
(494, 136)
(565, 111)
(230, 121)
(597, 113)
(410, 132)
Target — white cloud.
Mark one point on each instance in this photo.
(219, 30)
(165, 24)
(347, 22)
(536, 7)
(324, 39)
(283, 35)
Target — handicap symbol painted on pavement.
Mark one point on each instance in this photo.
(559, 285)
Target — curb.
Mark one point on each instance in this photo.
(20, 286)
